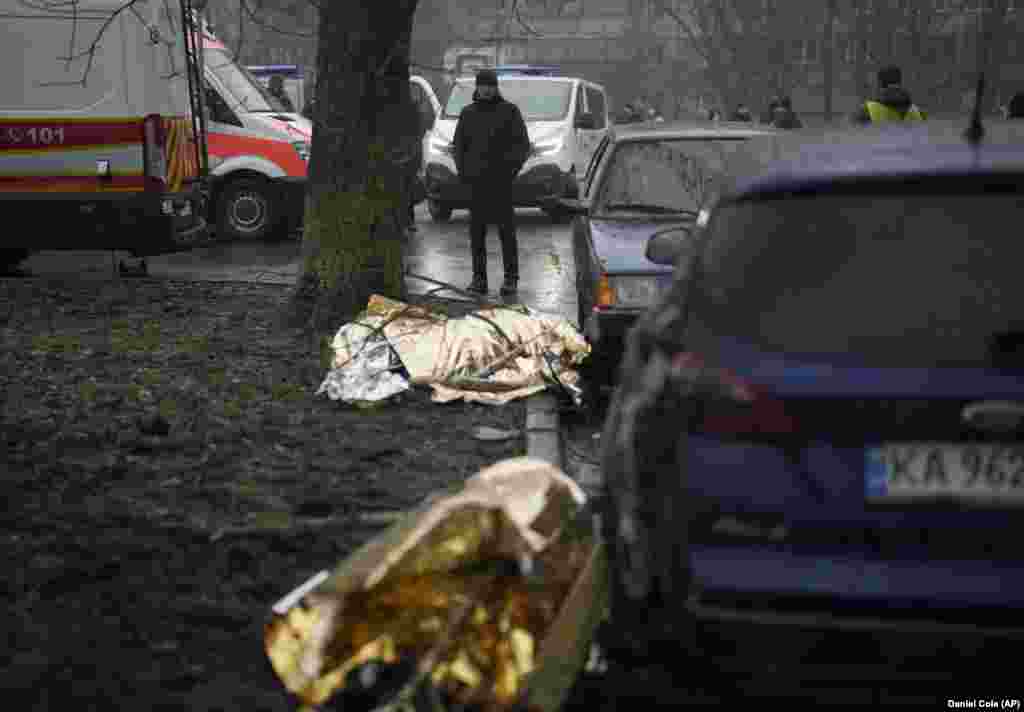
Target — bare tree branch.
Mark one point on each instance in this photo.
(74, 38)
(89, 54)
(519, 19)
(685, 26)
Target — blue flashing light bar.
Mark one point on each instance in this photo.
(530, 70)
(290, 71)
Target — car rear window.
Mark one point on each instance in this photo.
(880, 279)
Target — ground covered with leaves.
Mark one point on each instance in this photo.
(168, 474)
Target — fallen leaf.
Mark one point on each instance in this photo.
(272, 520)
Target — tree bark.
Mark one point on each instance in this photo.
(828, 50)
(992, 49)
(860, 50)
(366, 149)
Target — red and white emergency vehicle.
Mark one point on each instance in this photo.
(259, 153)
(100, 140)
(255, 144)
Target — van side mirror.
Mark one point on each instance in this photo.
(664, 246)
(586, 121)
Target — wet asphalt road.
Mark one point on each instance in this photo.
(437, 250)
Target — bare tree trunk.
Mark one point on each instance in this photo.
(884, 23)
(860, 49)
(828, 50)
(992, 50)
(782, 62)
(914, 21)
(366, 150)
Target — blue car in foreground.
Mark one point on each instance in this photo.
(819, 428)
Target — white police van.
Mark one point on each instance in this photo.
(566, 118)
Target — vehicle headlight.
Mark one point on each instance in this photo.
(439, 145)
(539, 149)
(301, 148)
(637, 291)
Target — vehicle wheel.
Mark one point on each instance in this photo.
(439, 212)
(11, 257)
(247, 210)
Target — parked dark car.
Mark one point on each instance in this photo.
(820, 427)
(642, 179)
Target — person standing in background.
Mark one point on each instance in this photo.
(491, 146)
(784, 117)
(276, 88)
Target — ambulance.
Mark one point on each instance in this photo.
(259, 152)
(101, 141)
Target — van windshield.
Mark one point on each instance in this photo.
(537, 100)
(246, 94)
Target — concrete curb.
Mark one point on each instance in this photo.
(543, 435)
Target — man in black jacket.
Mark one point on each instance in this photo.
(491, 146)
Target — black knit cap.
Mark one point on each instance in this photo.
(487, 77)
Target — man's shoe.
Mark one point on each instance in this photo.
(477, 286)
(509, 287)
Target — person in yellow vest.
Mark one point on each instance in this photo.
(893, 102)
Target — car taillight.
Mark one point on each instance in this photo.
(154, 140)
(604, 295)
(731, 405)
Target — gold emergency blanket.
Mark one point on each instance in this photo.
(494, 355)
(436, 589)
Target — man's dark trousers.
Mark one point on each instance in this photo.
(493, 206)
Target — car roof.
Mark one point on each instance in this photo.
(809, 161)
(470, 79)
(688, 129)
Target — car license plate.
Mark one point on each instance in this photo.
(989, 473)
